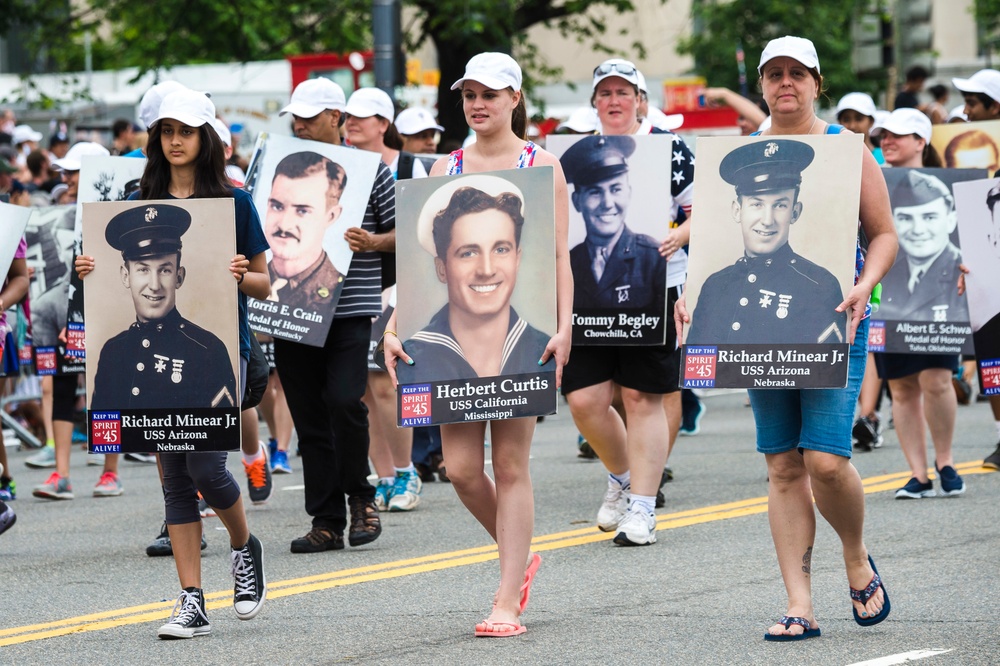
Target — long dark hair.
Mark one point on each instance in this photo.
(391, 138)
(519, 119)
(210, 179)
(931, 157)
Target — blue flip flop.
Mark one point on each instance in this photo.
(788, 622)
(862, 597)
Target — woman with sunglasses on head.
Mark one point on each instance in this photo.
(805, 435)
(495, 110)
(634, 456)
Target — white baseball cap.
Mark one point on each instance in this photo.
(415, 120)
(797, 48)
(496, 71)
(621, 68)
(958, 112)
(190, 107)
(905, 121)
(663, 121)
(582, 120)
(313, 97)
(74, 156)
(857, 101)
(642, 82)
(223, 131)
(986, 81)
(24, 133)
(367, 102)
(149, 107)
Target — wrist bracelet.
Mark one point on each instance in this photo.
(388, 332)
(240, 281)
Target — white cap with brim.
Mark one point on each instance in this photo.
(958, 113)
(583, 120)
(439, 200)
(23, 133)
(496, 71)
(857, 101)
(905, 121)
(796, 48)
(74, 156)
(619, 67)
(222, 131)
(189, 107)
(313, 97)
(149, 107)
(368, 102)
(985, 81)
(663, 121)
(415, 120)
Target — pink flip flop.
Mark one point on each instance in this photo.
(487, 629)
(529, 578)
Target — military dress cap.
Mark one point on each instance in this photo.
(595, 158)
(766, 166)
(148, 231)
(917, 189)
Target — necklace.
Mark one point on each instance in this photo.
(768, 132)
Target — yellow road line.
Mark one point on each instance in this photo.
(424, 564)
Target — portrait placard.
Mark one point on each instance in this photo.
(772, 256)
(618, 215)
(921, 310)
(478, 305)
(51, 240)
(162, 319)
(307, 194)
(973, 145)
(14, 221)
(978, 203)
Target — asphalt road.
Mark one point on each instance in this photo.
(77, 588)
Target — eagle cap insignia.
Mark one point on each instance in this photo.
(770, 149)
(150, 214)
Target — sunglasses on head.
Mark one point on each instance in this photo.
(625, 69)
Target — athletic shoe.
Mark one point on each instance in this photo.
(584, 450)
(161, 544)
(638, 528)
(56, 487)
(615, 505)
(188, 618)
(7, 517)
(405, 492)
(248, 571)
(95, 460)
(691, 422)
(992, 461)
(108, 486)
(142, 458)
(279, 463)
(44, 459)
(8, 490)
(365, 523)
(317, 540)
(951, 483)
(272, 447)
(204, 510)
(867, 434)
(916, 490)
(665, 477)
(383, 491)
(258, 480)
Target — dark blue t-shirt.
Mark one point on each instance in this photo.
(250, 242)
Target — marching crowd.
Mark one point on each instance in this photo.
(624, 400)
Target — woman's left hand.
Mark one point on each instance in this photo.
(558, 346)
(239, 267)
(854, 304)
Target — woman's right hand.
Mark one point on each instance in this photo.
(83, 265)
(393, 353)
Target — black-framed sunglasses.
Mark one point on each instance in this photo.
(625, 69)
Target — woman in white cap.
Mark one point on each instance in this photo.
(856, 111)
(369, 126)
(920, 384)
(818, 422)
(495, 110)
(186, 160)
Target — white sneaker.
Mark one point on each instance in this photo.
(95, 460)
(637, 529)
(613, 509)
(406, 490)
(45, 458)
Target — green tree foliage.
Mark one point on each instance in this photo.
(720, 25)
(987, 14)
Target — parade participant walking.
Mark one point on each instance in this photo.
(634, 456)
(324, 385)
(186, 160)
(805, 435)
(922, 393)
(495, 110)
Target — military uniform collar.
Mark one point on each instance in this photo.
(780, 257)
(172, 320)
(296, 280)
(593, 248)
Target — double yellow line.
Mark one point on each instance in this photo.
(413, 566)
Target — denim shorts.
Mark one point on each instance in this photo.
(814, 419)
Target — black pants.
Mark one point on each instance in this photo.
(324, 387)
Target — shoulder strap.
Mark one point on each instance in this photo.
(834, 129)
(404, 170)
